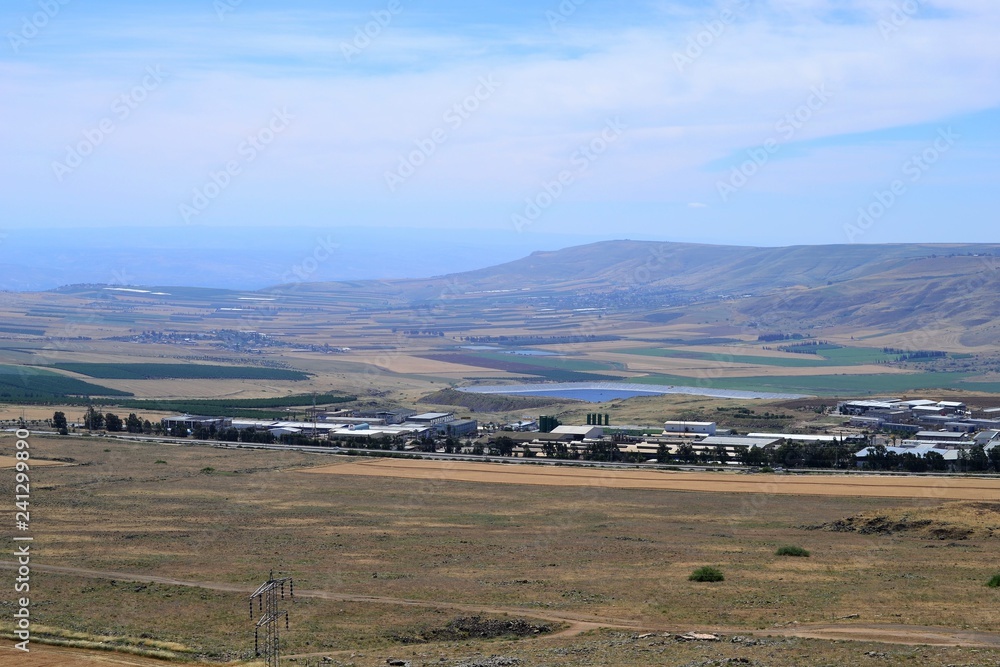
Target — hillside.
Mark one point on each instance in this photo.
(709, 268)
(897, 286)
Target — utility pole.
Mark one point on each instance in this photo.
(267, 605)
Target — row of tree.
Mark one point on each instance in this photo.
(94, 420)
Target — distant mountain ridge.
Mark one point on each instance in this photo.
(697, 266)
(903, 286)
(940, 289)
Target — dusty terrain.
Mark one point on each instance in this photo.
(153, 543)
(876, 486)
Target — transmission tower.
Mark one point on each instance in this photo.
(267, 606)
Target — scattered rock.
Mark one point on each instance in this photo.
(492, 661)
(476, 627)
(698, 636)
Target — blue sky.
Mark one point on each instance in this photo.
(746, 121)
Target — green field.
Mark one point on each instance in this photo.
(830, 384)
(27, 331)
(545, 361)
(237, 407)
(20, 384)
(180, 371)
(841, 356)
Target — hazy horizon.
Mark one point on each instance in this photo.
(45, 259)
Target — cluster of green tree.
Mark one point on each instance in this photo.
(974, 459)
(788, 454)
(388, 443)
(914, 355)
(94, 420)
(603, 451)
(808, 347)
(770, 337)
(747, 413)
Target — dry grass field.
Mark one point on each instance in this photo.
(869, 486)
(147, 546)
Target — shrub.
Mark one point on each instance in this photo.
(798, 552)
(994, 581)
(706, 573)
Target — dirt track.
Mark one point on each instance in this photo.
(576, 623)
(935, 488)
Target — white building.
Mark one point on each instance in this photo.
(580, 432)
(707, 428)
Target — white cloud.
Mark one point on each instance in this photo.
(354, 120)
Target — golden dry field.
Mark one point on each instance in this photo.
(873, 486)
(152, 547)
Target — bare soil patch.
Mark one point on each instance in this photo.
(11, 461)
(957, 521)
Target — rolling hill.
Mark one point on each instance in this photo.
(902, 287)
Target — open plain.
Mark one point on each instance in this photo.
(870, 486)
(153, 549)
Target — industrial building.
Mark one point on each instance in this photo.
(580, 432)
(190, 422)
(707, 428)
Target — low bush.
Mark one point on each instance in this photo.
(706, 573)
(798, 552)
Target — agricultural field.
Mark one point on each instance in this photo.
(25, 384)
(824, 356)
(369, 339)
(154, 549)
(153, 371)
